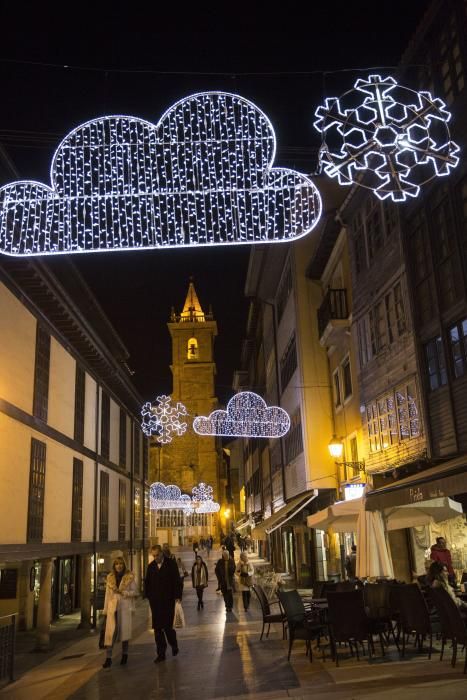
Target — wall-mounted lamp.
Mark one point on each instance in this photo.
(336, 450)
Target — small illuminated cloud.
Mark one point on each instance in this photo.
(162, 497)
(247, 415)
(203, 175)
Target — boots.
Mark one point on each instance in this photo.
(107, 663)
(124, 660)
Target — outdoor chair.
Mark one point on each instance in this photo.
(414, 616)
(343, 586)
(269, 617)
(377, 601)
(348, 622)
(453, 625)
(299, 621)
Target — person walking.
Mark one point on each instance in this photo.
(225, 571)
(182, 572)
(163, 589)
(245, 572)
(439, 552)
(208, 546)
(229, 545)
(195, 547)
(199, 578)
(120, 593)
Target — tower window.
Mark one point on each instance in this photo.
(192, 352)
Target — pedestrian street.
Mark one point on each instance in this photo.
(221, 657)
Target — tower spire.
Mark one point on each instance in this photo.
(192, 310)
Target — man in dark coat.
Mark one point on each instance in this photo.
(225, 570)
(163, 588)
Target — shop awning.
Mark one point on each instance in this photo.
(286, 513)
(423, 513)
(437, 482)
(242, 525)
(341, 516)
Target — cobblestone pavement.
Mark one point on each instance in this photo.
(221, 657)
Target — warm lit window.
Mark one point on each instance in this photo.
(192, 350)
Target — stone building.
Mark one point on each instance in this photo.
(190, 459)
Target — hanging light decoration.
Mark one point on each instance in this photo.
(247, 415)
(163, 419)
(203, 175)
(203, 499)
(385, 137)
(162, 497)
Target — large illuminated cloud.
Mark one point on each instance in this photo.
(247, 415)
(201, 176)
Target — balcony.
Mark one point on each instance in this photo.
(333, 317)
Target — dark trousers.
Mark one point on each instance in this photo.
(246, 595)
(228, 598)
(199, 593)
(160, 634)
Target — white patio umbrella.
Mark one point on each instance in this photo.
(341, 516)
(373, 556)
(423, 513)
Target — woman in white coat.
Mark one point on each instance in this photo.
(120, 593)
(245, 571)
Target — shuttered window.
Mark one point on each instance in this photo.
(36, 491)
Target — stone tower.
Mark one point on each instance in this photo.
(191, 459)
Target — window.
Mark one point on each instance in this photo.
(364, 347)
(145, 459)
(275, 457)
(353, 471)
(104, 507)
(458, 342)
(137, 512)
(288, 363)
(36, 491)
(378, 328)
(284, 292)
(80, 387)
(359, 243)
(122, 510)
(374, 228)
(294, 438)
(421, 267)
(347, 378)
(41, 374)
(192, 349)
(122, 439)
(399, 307)
(407, 412)
(463, 192)
(393, 418)
(436, 363)
(105, 425)
(147, 511)
(444, 247)
(136, 444)
(452, 71)
(77, 501)
(337, 388)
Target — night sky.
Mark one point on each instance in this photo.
(136, 58)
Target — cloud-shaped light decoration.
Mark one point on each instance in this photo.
(386, 137)
(201, 176)
(162, 497)
(247, 415)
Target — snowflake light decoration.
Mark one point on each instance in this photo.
(162, 497)
(247, 415)
(386, 137)
(203, 175)
(203, 496)
(163, 419)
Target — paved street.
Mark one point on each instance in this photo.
(221, 657)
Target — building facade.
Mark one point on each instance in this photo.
(73, 459)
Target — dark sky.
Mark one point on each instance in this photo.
(136, 58)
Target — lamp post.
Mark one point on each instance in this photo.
(336, 450)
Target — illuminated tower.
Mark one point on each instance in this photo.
(191, 459)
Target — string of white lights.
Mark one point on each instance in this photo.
(163, 419)
(202, 175)
(386, 137)
(247, 415)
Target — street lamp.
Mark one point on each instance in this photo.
(336, 450)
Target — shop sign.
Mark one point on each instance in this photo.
(352, 491)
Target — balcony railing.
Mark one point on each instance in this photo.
(334, 307)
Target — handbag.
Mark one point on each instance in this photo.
(179, 616)
(246, 580)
